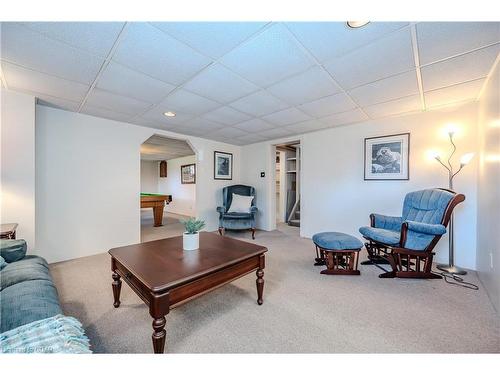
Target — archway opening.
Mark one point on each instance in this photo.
(168, 186)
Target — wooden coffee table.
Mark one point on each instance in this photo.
(164, 276)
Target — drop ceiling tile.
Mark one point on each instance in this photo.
(439, 40)
(219, 138)
(117, 103)
(127, 82)
(394, 107)
(213, 39)
(385, 57)
(286, 117)
(156, 114)
(50, 101)
(197, 132)
(25, 47)
(254, 125)
(23, 79)
(104, 113)
(456, 93)
(459, 69)
(306, 126)
(93, 37)
(268, 58)
(386, 89)
(203, 124)
(313, 84)
(146, 122)
(328, 105)
(151, 51)
(327, 40)
(220, 84)
(226, 116)
(187, 102)
(251, 138)
(345, 118)
(259, 103)
(229, 133)
(276, 133)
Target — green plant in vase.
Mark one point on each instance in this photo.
(191, 237)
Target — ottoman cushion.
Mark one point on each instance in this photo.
(337, 241)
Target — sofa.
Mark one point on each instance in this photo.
(29, 304)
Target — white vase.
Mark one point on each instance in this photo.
(191, 241)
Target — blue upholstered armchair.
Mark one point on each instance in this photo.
(406, 242)
(236, 220)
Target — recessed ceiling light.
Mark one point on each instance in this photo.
(169, 114)
(356, 24)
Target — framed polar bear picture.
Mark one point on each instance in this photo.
(387, 157)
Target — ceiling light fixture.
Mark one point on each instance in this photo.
(357, 24)
(169, 114)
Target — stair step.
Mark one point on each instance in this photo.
(297, 215)
(294, 223)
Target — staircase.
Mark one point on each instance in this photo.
(295, 222)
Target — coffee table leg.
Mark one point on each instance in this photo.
(117, 287)
(159, 335)
(260, 286)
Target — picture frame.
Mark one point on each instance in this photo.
(223, 165)
(387, 157)
(188, 174)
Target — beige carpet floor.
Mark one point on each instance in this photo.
(303, 311)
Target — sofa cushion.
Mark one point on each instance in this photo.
(30, 268)
(3, 263)
(12, 250)
(237, 215)
(26, 302)
(384, 236)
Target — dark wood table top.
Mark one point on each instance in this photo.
(163, 264)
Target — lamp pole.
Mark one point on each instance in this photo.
(450, 267)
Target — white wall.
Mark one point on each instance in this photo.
(488, 230)
(335, 196)
(18, 163)
(150, 176)
(88, 182)
(183, 195)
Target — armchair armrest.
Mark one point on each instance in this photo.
(221, 209)
(418, 236)
(386, 222)
(431, 229)
(253, 209)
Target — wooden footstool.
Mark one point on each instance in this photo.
(338, 251)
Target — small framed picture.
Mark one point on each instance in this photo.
(223, 166)
(387, 157)
(188, 174)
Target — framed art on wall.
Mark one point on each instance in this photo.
(188, 174)
(223, 165)
(387, 157)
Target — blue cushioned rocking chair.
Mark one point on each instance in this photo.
(406, 242)
(236, 220)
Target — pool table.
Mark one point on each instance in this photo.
(157, 202)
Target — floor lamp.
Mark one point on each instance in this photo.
(464, 160)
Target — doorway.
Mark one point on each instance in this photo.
(168, 186)
(287, 178)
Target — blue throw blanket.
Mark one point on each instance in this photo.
(58, 334)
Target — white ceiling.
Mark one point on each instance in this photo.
(247, 82)
(163, 148)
